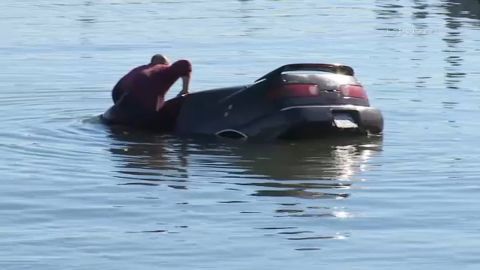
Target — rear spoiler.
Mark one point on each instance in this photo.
(332, 68)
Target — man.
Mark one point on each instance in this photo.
(146, 85)
(141, 92)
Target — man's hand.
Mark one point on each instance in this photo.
(182, 93)
(185, 85)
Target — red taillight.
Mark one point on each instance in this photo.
(354, 91)
(295, 90)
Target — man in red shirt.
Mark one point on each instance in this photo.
(145, 86)
(140, 94)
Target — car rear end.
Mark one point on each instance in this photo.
(321, 99)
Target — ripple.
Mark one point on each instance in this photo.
(75, 192)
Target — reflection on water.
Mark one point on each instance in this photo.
(148, 157)
(393, 17)
(294, 175)
(463, 8)
(287, 171)
(456, 10)
(329, 160)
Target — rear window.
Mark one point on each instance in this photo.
(325, 80)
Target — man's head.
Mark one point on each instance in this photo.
(159, 59)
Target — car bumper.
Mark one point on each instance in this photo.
(316, 121)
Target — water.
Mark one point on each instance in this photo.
(78, 195)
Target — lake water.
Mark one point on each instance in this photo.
(78, 195)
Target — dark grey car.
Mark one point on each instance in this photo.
(292, 102)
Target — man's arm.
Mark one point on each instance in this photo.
(185, 84)
(183, 69)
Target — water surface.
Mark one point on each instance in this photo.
(79, 195)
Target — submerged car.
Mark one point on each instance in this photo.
(294, 101)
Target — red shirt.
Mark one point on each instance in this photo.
(145, 83)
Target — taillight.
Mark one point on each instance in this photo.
(353, 91)
(295, 90)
